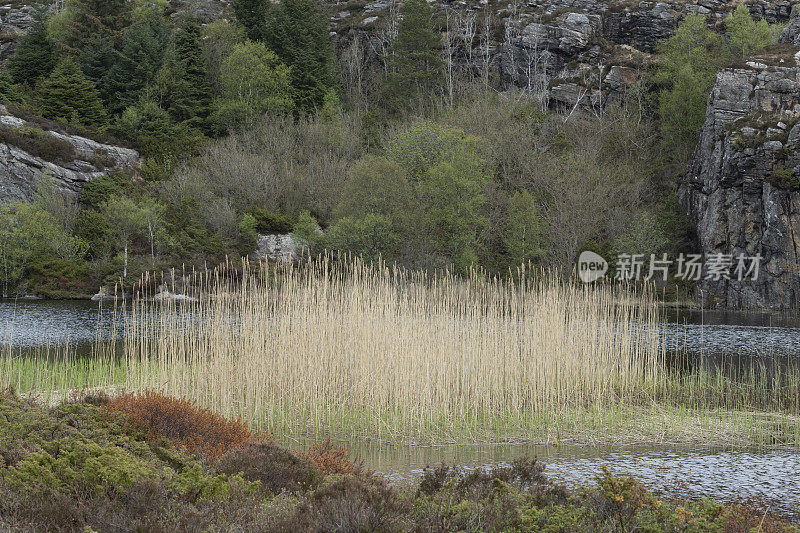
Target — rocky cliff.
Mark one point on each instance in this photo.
(566, 51)
(29, 152)
(742, 188)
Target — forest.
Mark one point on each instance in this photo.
(261, 124)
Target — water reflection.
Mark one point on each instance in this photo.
(723, 475)
(36, 323)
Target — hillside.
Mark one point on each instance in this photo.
(548, 128)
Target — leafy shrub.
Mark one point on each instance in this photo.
(784, 178)
(39, 143)
(55, 277)
(276, 468)
(350, 504)
(271, 222)
(332, 459)
(199, 430)
(97, 191)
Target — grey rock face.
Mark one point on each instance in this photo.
(20, 171)
(283, 248)
(791, 33)
(741, 189)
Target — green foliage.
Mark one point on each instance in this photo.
(644, 234)
(155, 133)
(415, 59)
(784, 178)
(251, 15)
(9, 92)
(307, 230)
(682, 109)
(376, 185)
(255, 83)
(745, 35)
(218, 40)
(141, 56)
(371, 236)
(689, 61)
(129, 220)
(97, 19)
(270, 222)
(97, 58)
(35, 57)
(448, 177)
(27, 233)
(68, 96)
(191, 100)
(523, 237)
(97, 191)
(297, 31)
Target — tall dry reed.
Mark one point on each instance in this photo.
(349, 348)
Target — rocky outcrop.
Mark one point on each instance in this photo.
(15, 21)
(742, 189)
(20, 170)
(565, 51)
(278, 247)
(791, 33)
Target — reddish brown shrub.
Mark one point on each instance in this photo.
(199, 430)
(331, 459)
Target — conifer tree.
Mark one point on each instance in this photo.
(67, 95)
(415, 61)
(297, 31)
(36, 56)
(9, 92)
(192, 101)
(91, 19)
(250, 14)
(142, 54)
(97, 58)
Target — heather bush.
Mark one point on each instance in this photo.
(199, 430)
(83, 467)
(39, 143)
(331, 459)
(276, 468)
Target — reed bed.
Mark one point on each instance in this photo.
(349, 350)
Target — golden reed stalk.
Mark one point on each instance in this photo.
(351, 349)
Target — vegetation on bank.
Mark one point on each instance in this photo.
(94, 464)
(356, 350)
(258, 125)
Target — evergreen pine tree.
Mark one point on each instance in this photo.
(9, 92)
(36, 56)
(92, 19)
(67, 95)
(415, 61)
(297, 31)
(142, 54)
(192, 101)
(97, 59)
(250, 14)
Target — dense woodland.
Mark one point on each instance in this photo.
(259, 125)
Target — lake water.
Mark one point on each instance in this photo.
(35, 323)
(721, 474)
(768, 477)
